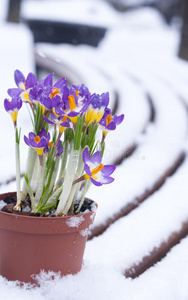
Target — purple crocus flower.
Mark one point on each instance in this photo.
(52, 95)
(95, 170)
(19, 79)
(12, 107)
(62, 122)
(59, 149)
(109, 122)
(38, 142)
(82, 92)
(96, 106)
(24, 86)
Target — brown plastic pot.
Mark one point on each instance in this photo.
(31, 244)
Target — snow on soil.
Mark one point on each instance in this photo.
(144, 62)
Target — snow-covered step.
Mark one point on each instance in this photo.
(158, 151)
(166, 280)
(158, 220)
(98, 77)
(69, 64)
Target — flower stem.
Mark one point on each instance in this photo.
(40, 181)
(17, 155)
(68, 181)
(31, 159)
(85, 189)
(64, 159)
(72, 195)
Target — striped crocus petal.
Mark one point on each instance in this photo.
(95, 170)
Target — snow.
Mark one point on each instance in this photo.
(155, 219)
(79, 12)
(2, 204)
(75, 221)
(136, 58)
(3, 10)
(16, 50)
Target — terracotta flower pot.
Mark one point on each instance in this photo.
(31, 244)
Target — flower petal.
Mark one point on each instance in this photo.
(106, 180)
(19, 78)
(87, 169)
(15, 92)
(59, 84)
(118, 119)
(26, 140)
(30, 81)
(86, 156)
(49, 80)
(108, 170)
(96, 158)
(97, 183)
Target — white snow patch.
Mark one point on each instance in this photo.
(85, 232)
(98, 13)
(2, 204)
(75, 221)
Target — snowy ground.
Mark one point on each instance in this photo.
(136, 61)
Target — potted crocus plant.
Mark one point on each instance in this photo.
(44, 224)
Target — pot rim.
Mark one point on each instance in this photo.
(22, 223)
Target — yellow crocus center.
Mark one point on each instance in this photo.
(73, 119)
(54, 92)
(99, 115)
(39, 151)
(62, 128)
(94, 171)
(77, 93)
(50, 144)
(97, 169)
(64, 118)
(108, 119)
(94, 115)
(14, 115)
(25, 96)
(72, 103)
(37, 139)
(53, 109)
(89, 116)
